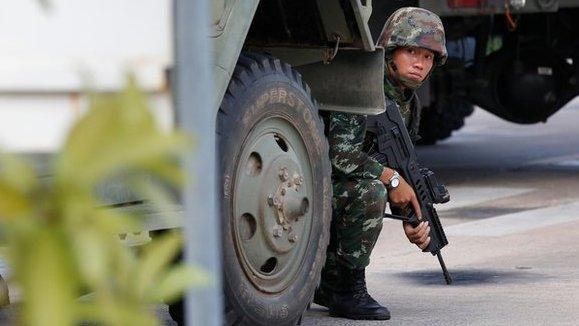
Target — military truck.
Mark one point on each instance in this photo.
(277, 66)
(517, 59)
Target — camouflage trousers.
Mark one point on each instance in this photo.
(358, 208)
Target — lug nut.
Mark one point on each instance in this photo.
(292, 237)
(283, 174)
(298, 180)
(277, 231)
(270, 200)
(277, 202)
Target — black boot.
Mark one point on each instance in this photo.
(329, 284)
(324, 296)
(354, 302)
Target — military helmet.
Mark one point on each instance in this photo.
(417, 27)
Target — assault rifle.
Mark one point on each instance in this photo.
(393, 148)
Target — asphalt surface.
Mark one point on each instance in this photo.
(512, 224)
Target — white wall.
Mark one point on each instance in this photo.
(48, 56)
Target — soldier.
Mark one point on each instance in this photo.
(414, 43)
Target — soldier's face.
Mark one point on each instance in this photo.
(413, 63)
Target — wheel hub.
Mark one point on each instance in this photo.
(288, 203)
(273, 192)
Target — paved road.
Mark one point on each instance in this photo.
(513, 225)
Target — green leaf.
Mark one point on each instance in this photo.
(17, 173)
(48, 279)
(117, 133)
(156, 256)
(17, 182)
(176, 281)
(115, 312)
(91, 251)
(13, 203)
(114, 158)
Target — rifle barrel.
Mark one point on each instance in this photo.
(447, 277)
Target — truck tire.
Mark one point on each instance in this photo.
(441, 119)
(275, 194)
(276, 187)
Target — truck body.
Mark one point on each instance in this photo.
(516, 59)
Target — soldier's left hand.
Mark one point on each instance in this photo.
(418, 235)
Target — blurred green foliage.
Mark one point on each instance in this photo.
(61, 245)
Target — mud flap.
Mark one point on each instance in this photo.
(352, 82)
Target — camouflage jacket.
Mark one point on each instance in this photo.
(347, 137)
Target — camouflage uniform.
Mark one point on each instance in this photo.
(359, 196)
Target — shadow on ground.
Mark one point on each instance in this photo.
(470, 277)
(481, 212)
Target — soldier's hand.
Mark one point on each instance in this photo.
(404, 196)
(418, 235)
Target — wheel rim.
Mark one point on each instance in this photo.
(272, 218)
